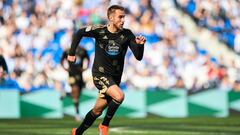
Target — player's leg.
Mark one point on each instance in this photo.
(117, 97)
(92, 115)
(75, 95)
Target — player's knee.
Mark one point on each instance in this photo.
(96, 112)
(119, 98)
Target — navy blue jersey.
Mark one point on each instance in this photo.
(76, 67)
(110, 48)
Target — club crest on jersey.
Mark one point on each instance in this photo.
(113, 48)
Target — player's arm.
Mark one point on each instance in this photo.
(137, 46)
(84, 32)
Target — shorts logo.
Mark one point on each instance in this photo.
(105, 80)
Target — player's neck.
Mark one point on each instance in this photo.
(112, 29)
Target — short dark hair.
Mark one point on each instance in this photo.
(112, 9)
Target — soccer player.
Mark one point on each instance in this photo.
(75, 71)
(112, 42)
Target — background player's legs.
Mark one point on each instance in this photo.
(91, 116)
(75, 95)
(117, 97)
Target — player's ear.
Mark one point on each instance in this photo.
(110, 18)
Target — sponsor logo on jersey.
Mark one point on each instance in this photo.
(113, 48)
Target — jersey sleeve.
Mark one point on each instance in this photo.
(89, 31)
(137, 49)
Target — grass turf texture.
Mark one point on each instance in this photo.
(126, 126)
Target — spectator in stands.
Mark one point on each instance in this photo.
(237, 42)
(219, 16)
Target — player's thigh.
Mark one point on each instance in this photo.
(116, 93)
(75, 91)
(108, 87)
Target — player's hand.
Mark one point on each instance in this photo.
(71, 58)
(140, 40)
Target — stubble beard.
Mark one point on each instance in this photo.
(119, 27)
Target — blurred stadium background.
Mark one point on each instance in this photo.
(191, 64)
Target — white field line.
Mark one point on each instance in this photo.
(129, 130)
(125, 130)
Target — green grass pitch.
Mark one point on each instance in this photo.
(126, 126)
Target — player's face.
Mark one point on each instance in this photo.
(118, 19)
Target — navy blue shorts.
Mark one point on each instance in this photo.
(103, 82)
